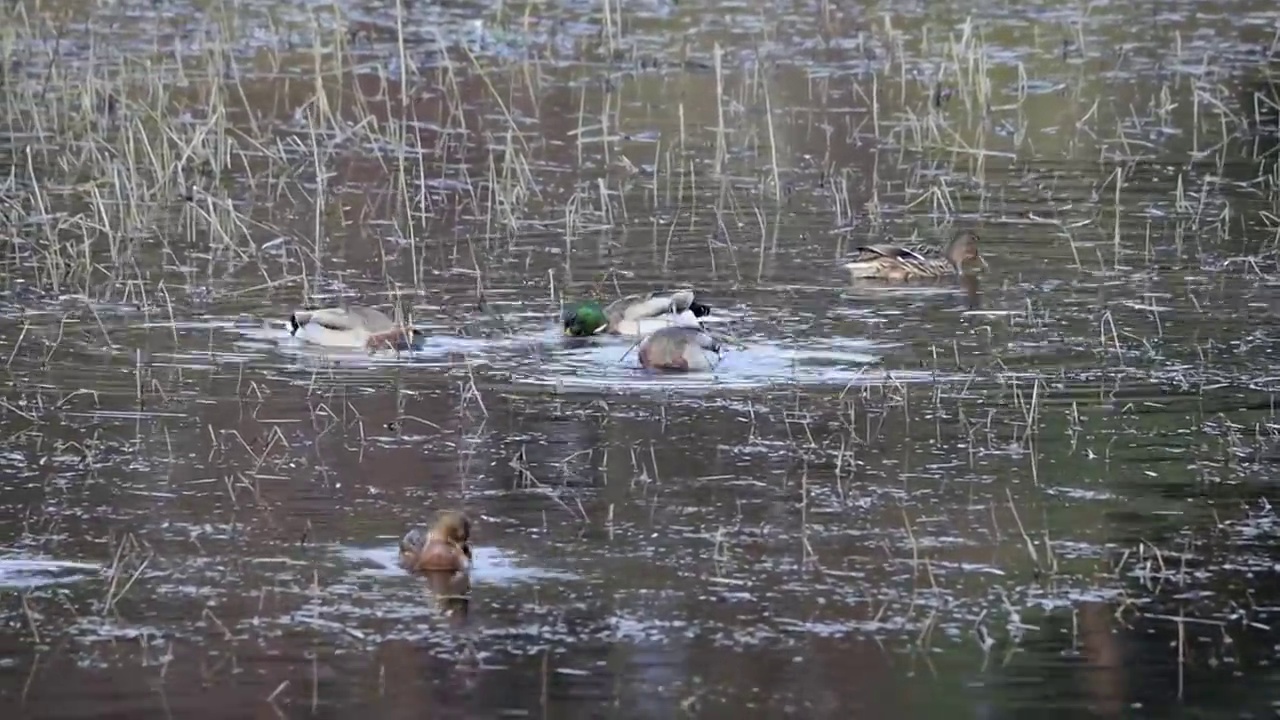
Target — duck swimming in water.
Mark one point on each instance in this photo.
(634, 315)
(679, 348)
(895, 262)
(446, 547)
(354, 327)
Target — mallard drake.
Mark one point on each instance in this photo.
(635, 314)
(895, 262)
(446, 547)
(678, 348)
(355, 326)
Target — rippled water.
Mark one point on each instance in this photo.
(1046, 489)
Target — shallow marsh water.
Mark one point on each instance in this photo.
(1045, 491)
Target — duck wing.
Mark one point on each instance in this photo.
(344, 319)
(887, 250)
(374, 321)
(636, 307)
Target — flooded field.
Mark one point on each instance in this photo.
(1044, 488)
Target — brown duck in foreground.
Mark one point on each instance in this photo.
(679, 348)
(446, 547)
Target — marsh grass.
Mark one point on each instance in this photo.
(170, 152)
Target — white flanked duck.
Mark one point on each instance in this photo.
(354, 326)
(635, 315)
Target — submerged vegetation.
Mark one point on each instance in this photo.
(1057, 467)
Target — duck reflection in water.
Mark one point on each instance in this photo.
(972, 291)
(442, 555)
(1104, 677)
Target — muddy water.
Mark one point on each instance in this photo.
(1044, 491)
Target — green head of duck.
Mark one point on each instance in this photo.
(583, 319)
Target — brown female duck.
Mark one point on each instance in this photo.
(679, 348)
(895, 262)
(446, 547)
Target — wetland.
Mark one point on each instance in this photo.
(1040, 489)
